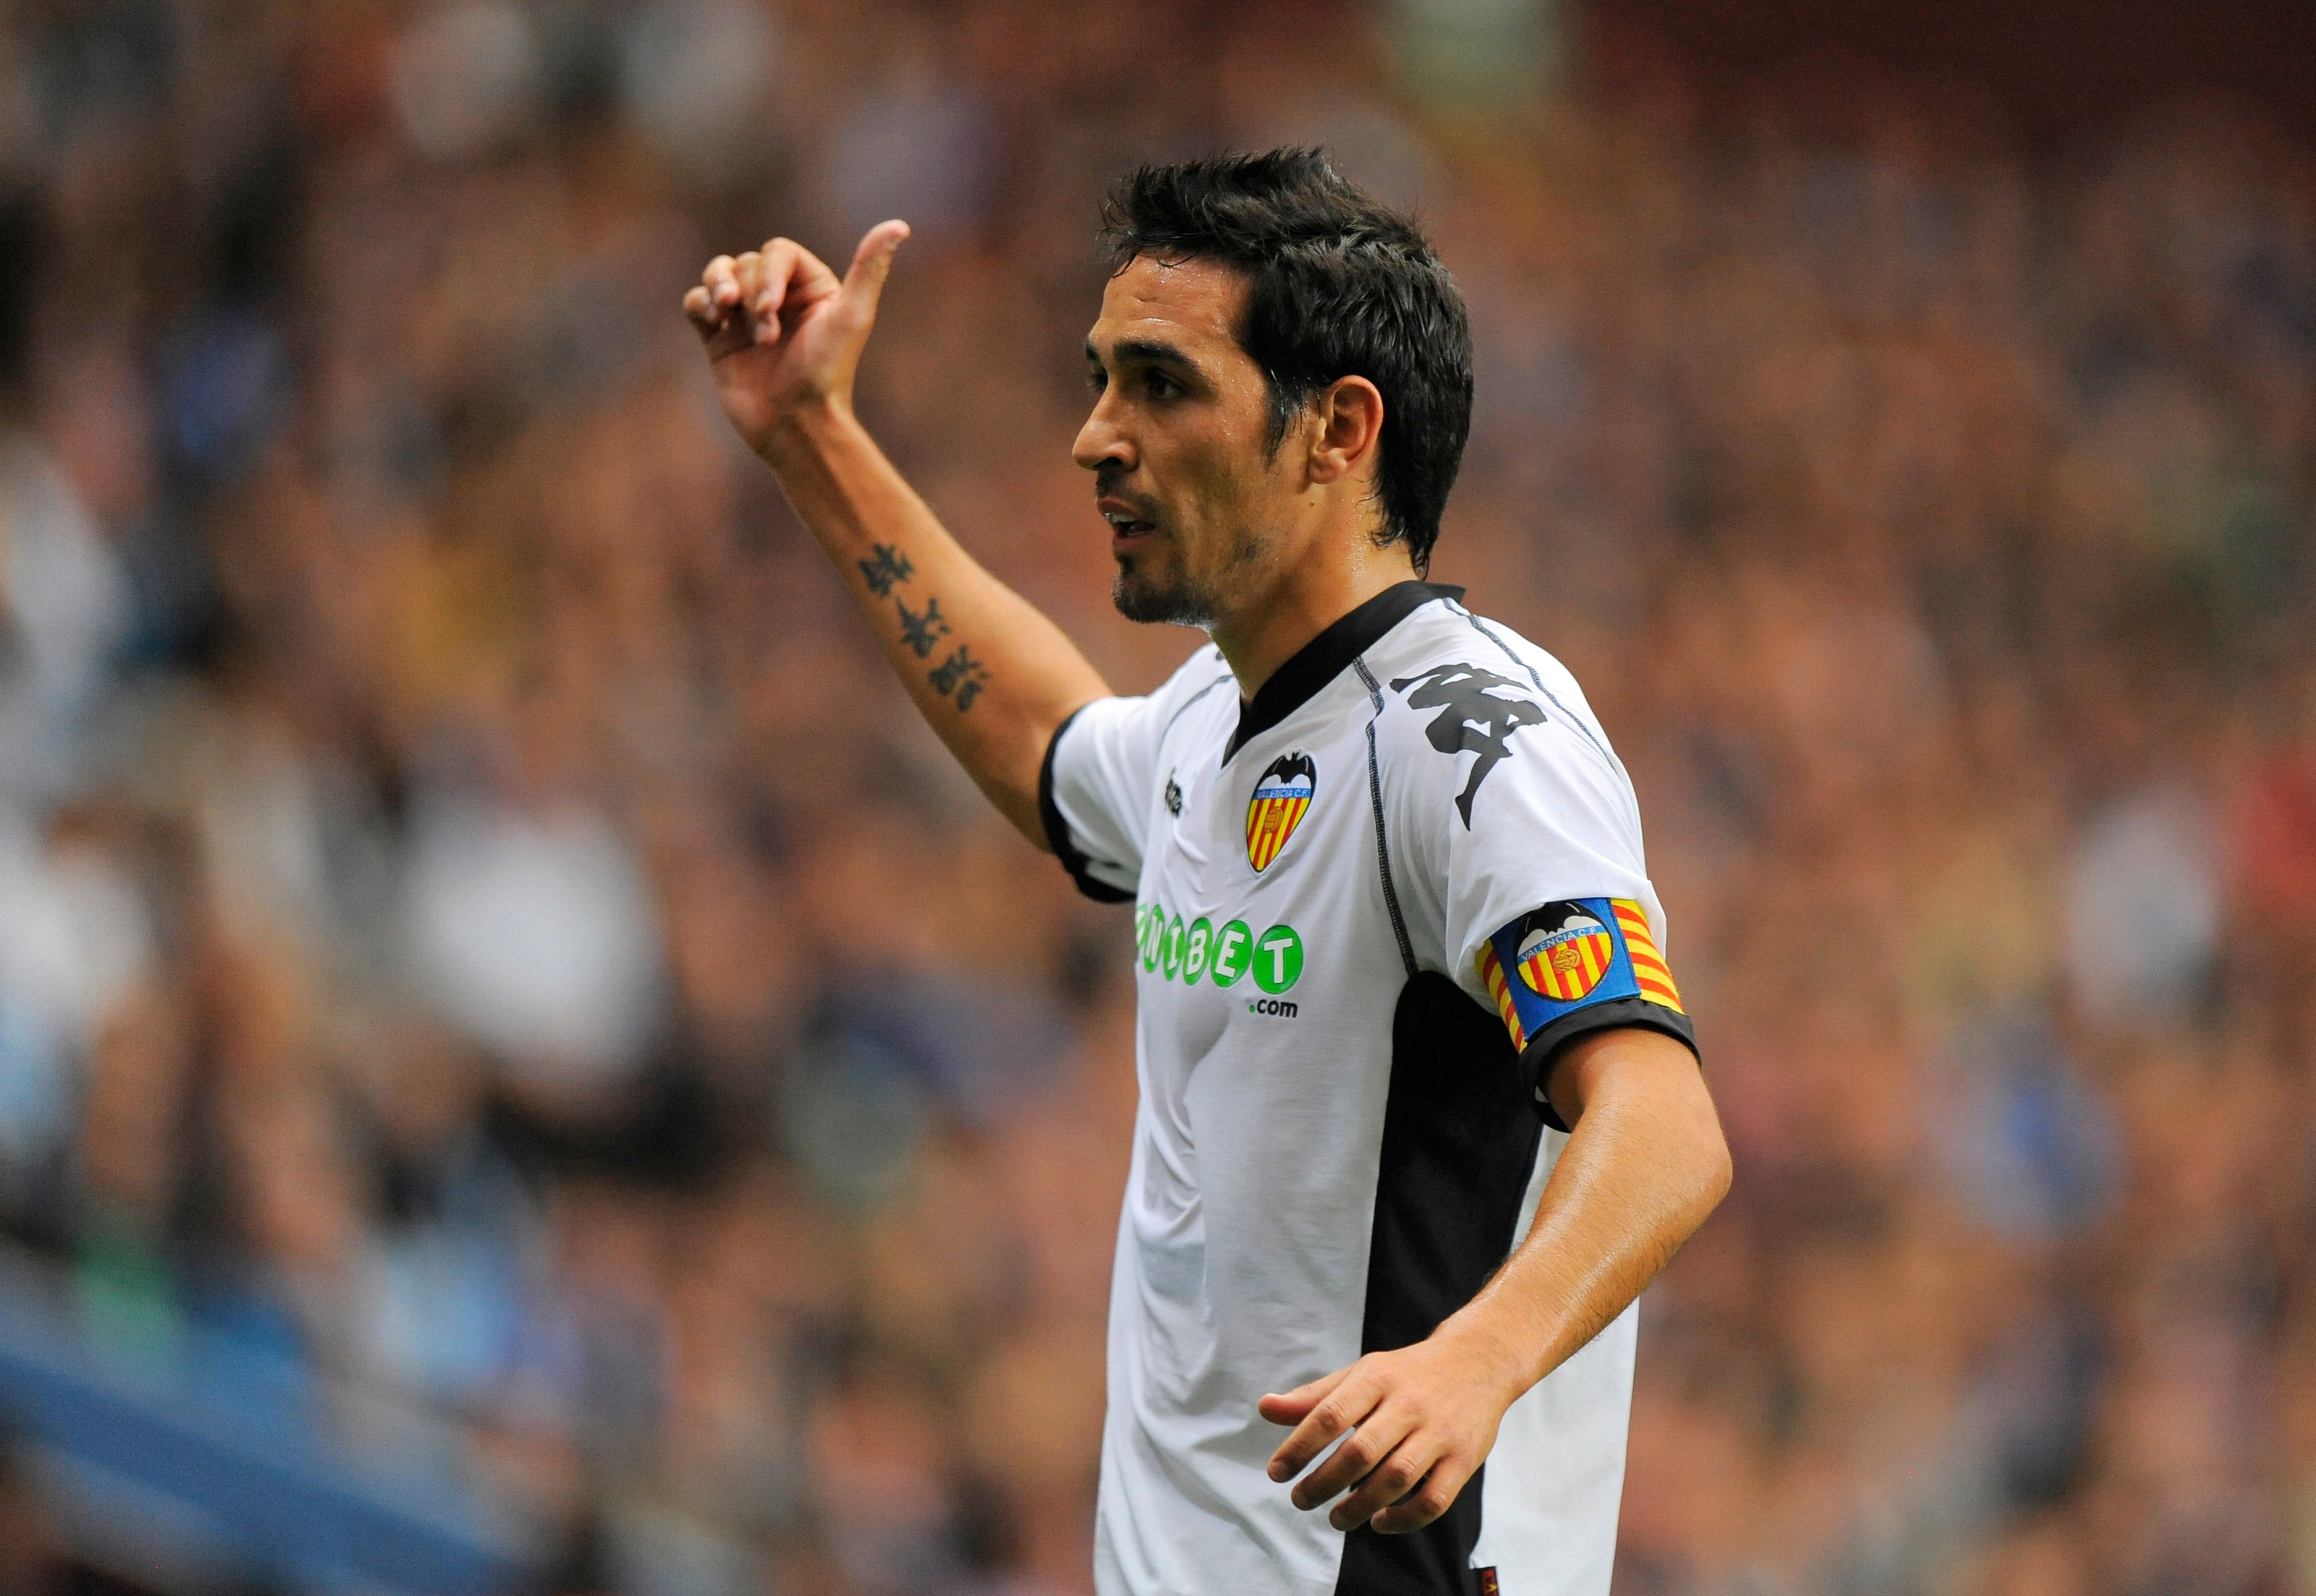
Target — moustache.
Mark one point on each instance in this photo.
(1109, 483)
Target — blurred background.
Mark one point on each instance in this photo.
(523, 1068)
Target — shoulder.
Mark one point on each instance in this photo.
(1201, 679)
(1452, 682)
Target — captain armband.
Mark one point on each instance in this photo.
(1572, 967)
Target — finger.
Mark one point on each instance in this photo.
(1341, 1408)
(872, 263)
(1400, 1471)
(1366, 1450)
(706, 317)
(763, 276)
(741, 273)
(809, 280)
(721, 282)
(1434, 1496)
(805, 281)
(1291, 1407)
(745, 272)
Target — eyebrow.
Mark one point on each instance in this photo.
(1152, 349)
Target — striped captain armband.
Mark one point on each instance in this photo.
(1582, 965)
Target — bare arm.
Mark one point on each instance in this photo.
(1644, 1165)
(987, 671)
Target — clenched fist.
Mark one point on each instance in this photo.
(783, 335)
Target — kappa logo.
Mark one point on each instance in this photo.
(1564, 952)
(1281, 796)
(1472, 718)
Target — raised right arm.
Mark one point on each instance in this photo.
(990, 673)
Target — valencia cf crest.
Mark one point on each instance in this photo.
(1280, 798)
(1563, 951)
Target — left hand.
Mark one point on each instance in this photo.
(1422, 1419)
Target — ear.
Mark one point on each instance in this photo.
(1349, 413)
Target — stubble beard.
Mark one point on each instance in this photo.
(1179, 602)
(1190, 598)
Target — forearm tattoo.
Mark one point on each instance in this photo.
(962, 674)
(920, 630)
(889, 568)
(959, 676)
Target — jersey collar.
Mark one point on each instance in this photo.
(1324, 658)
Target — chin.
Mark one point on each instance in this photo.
(1139, 597)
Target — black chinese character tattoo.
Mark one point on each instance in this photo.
(918, 631)
(960, 673)
(890, 567)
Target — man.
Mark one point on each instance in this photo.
(1403, 1000)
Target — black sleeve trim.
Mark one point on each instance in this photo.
(1544, 1048)
(1057, 830)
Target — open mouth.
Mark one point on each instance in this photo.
(1127, 526)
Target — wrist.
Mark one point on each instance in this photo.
(1498, 1357)
(805, 430)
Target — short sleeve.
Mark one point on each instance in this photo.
(1093, 794)
(1550, 917)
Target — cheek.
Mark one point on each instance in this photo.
(1219, 480)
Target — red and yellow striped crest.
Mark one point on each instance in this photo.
(1276, 808)
(1566, 961)
(1649, 970)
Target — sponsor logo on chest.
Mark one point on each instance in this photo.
(1221, 956)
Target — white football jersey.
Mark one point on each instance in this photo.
(1372, 905)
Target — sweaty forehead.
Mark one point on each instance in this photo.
(1193, 305)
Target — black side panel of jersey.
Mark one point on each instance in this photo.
(1459, 1142)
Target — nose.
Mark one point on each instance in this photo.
(1101, 442)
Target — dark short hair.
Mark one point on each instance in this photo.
(1339, 285)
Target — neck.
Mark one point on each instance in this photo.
(1307, 596)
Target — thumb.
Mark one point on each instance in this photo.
(872, 262)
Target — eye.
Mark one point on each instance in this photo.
(1162, 387)
(1097, 378)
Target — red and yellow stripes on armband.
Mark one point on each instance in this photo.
(1650, 972)
(1572, 955)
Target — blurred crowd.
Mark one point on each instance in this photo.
(478, 923)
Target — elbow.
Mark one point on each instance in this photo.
(1707, 1164)
(1714, 1167)
(1718, 1170)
